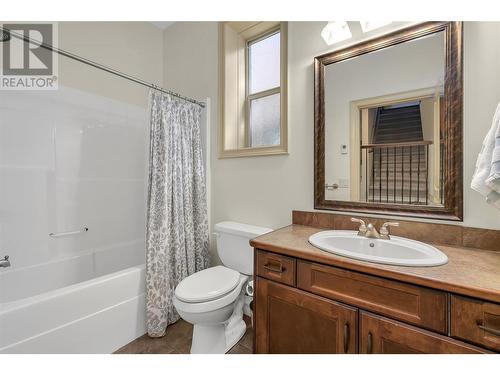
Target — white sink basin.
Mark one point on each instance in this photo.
(397, 251)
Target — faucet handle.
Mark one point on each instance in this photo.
(362, 225)
(384, 230)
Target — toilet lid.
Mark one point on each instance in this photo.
(207, 285)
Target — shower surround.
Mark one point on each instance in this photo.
(69, 160)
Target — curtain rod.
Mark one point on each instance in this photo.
(99, 66)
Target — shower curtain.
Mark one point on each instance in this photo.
(176, 221)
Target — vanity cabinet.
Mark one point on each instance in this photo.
(308, 307)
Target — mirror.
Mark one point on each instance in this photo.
(388, 124)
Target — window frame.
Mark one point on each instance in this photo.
(261, 94)
(231, 124)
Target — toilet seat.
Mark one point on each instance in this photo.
(207, 285)
(211, 305)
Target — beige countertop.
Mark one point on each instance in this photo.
(470, 272)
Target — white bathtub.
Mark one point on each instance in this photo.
(90, 303)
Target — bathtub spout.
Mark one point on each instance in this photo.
(5, 262)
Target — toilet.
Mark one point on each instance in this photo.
(213, 300)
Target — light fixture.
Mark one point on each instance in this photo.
(372, 25)
(336, 31)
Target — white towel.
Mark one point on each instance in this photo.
(486, 179)
(493, 180)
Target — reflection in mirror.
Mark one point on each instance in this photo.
(384, 125)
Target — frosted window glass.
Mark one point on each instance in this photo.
(264, 64)
(265, 121)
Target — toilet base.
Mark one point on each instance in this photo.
(234, 334)
(216, 338)
(220, 338)
(208, 339)
(236, 326)
(216, 331)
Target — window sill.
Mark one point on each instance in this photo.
(253, 151)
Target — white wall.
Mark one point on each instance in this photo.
(193, 71)
(264, 190)
(131, 47)
(76, 156)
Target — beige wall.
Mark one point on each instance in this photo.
(131, 47)
(264, 190)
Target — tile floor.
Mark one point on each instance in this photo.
(178, 341)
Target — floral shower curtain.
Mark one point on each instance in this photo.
(176, 222)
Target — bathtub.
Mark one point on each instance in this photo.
(90, 303)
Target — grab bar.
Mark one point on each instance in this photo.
(64, 234)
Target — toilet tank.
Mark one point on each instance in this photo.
(233, 244)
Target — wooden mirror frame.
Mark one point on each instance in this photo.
(453, 108)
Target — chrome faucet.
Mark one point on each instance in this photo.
(5, 262)
(369, 231)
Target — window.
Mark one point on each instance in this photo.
(263, 95)
(253, 89)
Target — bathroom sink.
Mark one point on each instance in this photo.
(396, 251)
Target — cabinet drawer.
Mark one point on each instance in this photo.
(420, 306)
(378, 335)
(476, 321)
(276, 267)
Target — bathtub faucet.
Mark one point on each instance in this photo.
(5, 262)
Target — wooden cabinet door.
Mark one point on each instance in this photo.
(291, 321)
(380, 335)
